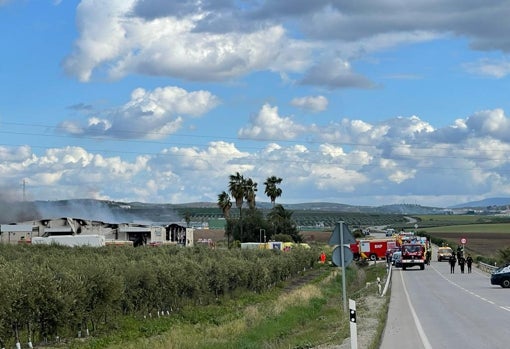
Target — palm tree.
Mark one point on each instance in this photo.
(236, 187)
(224, 204)
(249, 192)
(272, 191)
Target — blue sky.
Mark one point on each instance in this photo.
(362, 103)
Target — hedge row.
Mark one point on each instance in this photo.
(50, 291)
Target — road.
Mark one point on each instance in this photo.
(434, 309)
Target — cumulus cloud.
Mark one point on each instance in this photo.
(224, 40)
(148, 115)
(168, 46)
(491, 123)
(402, 154)
(311, 103)
(268, 124)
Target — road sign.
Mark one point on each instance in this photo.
(463, 241)
(337, 258)
(341, 229)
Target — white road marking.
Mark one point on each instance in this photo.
(469, 291)
(421, 332)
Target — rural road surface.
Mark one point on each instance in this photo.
(434, 309)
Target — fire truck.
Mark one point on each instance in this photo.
(413, 253)
(372, 249)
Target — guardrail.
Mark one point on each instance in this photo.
(486, 267)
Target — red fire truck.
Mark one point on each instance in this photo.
(413, 254)
(372, 249)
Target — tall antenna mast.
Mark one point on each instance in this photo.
(24, 187)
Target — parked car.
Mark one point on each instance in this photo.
(501, 276)
(390, 232)
(444, 253)
(396, 259)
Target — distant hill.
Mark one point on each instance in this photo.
(484, 203)
(139, 212)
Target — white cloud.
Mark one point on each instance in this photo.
(268, 124)
(149, 114)
(493, 123)
(13, 154)
(402, 155)
(211, 41)
(335, 73)
(111, 34)
(492, 68)
(311, 103)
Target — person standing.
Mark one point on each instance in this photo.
(460, 252)
(452, 262)
(322, 258)
(469, 262)
(462, 261)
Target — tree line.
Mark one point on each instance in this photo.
(252, 225)
(56, 291)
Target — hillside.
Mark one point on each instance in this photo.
(320, 213)
(484, 203)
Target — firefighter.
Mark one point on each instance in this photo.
(452, 262)
(462, 261)
(429, 256)
(460, 252)
(469, 261)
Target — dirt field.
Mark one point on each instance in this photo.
(485, 244)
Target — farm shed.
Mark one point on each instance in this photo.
(12, 233)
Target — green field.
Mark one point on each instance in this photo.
(448, 219)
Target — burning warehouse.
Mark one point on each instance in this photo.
(72, 231)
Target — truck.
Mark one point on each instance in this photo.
(372, 249)
(413, 253)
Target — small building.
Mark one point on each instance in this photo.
(12, 233)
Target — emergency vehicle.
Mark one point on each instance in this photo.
(413, 253)
(372, 249)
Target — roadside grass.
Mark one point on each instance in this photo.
(307, 316)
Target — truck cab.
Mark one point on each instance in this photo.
(413, 254)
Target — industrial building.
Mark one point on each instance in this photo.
(113, 233)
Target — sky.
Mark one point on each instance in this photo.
(355, 102)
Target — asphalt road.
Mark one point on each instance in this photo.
(434, 309)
